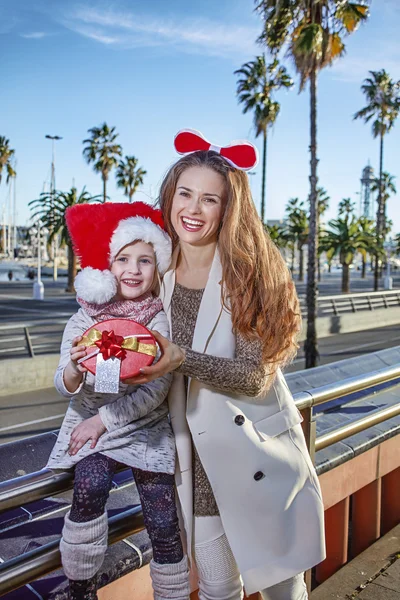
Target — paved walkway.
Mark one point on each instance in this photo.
(385, 587)
(373, 575)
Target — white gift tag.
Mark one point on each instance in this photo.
(107, 375)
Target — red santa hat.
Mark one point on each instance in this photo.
(100, 231)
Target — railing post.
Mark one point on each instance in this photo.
(353, 306)
(369, 303)
(384, 300)
(337, 535)
(309, 426)
(29, 342)
(390, 500)
(335, 311)
(366, 516)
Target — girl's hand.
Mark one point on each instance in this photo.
(90, 429)
(76, 353)
(172, 356)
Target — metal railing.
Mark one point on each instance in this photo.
(18, 339)
(21, 570)
(361, 301)
(44, 336)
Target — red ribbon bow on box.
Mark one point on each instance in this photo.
(241, 154)
(111, 345)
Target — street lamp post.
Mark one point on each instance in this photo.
(38, 287)
(53, 138)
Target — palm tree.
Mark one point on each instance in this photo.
(297, 230)
(102, 150)
(129, 177)
(323, 205)
(313, 31)
(6, 158)
(278, 235)
(383, 105)
(345, 239)
(346, 207)
(387, 188)
(367, 227)
(291, 207)
(50, 209)
(255, 90)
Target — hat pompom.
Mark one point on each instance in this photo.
(93, 285)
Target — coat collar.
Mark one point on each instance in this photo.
(211, 304)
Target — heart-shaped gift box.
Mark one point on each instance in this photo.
(129, 341)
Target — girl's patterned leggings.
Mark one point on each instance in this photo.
(93, 481)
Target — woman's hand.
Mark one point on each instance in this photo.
(172, 356)
(90, 429)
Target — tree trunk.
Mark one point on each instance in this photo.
(329, 267)
(71, 269)
(319, 268)
(311, 344)
(345, 278)
(104, 188)
(264, 176)
(379, 217)
(301, 263)
(293, 252)
(364, 267)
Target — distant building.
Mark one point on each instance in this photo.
(367, 197)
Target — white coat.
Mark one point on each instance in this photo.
(260, 471)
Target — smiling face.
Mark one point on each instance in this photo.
(198, 206)
(135, 269)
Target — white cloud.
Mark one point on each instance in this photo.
(35, 35)
(355, 69)
(127, 29)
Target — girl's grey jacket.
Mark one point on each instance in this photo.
(138, 430)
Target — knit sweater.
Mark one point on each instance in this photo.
(243, 374)
(138, 433)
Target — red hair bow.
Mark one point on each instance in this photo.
(241, 154)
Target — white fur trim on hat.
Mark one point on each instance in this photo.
(95, 286)
(145, 230)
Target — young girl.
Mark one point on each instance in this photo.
(123, 248)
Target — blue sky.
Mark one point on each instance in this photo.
(152, 68)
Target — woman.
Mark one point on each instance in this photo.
(249, 495)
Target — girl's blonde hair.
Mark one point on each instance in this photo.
(257, 285)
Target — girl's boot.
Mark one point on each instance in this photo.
(170, 581)
(83, 546)
(83, 590)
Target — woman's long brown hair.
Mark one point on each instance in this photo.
(258, 288)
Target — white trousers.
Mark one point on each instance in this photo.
(219, 577)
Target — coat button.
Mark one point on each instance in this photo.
(259, 475)
(239, 420)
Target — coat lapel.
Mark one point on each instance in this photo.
(168, 284)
